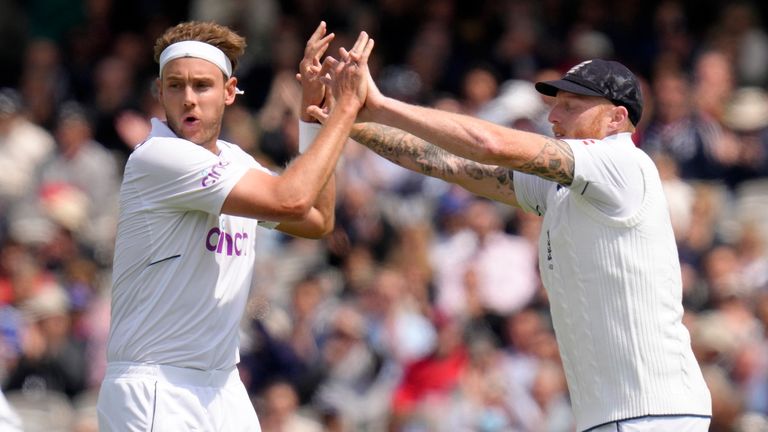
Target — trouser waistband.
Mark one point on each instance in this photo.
(172, 374)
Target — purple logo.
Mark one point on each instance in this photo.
(215, 173)
(222, 242)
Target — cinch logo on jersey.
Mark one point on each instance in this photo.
(222, 242)
(214, 173)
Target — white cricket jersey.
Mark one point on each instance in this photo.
(610, 265)
(182, 271)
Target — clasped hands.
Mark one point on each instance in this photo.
(344, 82)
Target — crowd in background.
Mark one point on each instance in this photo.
(423, 310)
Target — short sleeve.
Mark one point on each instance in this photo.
(174, 173)
(608, 176)
(531, 192)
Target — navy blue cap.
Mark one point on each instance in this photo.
(603, 78)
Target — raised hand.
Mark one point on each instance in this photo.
(312, 88)
(346, 78)
(373, 96)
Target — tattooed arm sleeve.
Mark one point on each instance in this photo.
(554, 162)
(481, 141)
(415, 154)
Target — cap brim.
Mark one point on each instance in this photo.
(550, 88)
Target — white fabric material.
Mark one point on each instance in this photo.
(614, 284)
(307, 134)
(196, 49)
(9, 420)
(139, 398)
(658, 424)
(182, 271)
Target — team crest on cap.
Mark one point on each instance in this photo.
(578, 66)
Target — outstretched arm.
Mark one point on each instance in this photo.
(415, 154)
(475, 139)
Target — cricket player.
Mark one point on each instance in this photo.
(607, 253)
(190, 204)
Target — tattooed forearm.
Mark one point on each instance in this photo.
(414, 153)
(405, 150)
(554, 162)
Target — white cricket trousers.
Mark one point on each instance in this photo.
(159, 398)
(657, 424)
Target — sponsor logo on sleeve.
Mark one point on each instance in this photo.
(213, 174)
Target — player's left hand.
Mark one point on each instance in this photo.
(312, 88)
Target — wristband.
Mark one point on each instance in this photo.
(307, 133)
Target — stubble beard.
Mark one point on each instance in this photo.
(208, 134)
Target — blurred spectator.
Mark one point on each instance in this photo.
(516, 48)
(51, 360)
(361, 221)
(278, 119)
(479, 86)
(485, 397)
(747, 116)
(84, 164)
(396, 326)
(356, 382)
(114, 92)
(44, 81)
(504, 265)
(428, 383)
(269, 358)
(518, 102)
(727, 404)
(279, 410)
(673, 35)
(686, 122)
(738, 33)
(24, 146)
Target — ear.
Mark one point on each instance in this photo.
(619, 116)
(230, 86)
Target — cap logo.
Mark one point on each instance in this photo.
(578, 66)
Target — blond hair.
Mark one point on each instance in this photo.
(223, 38)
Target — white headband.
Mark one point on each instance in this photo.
(199, 50)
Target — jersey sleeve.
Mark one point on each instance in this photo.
(607, 176)
(531, 192)
(176, 174)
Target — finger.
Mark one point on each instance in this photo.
(337, 70)
(362, 57)
(322, 45)
(317, 34)
(362, 39)
(329, 64)
(343, 54)
(366, 52)
(317, 113)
